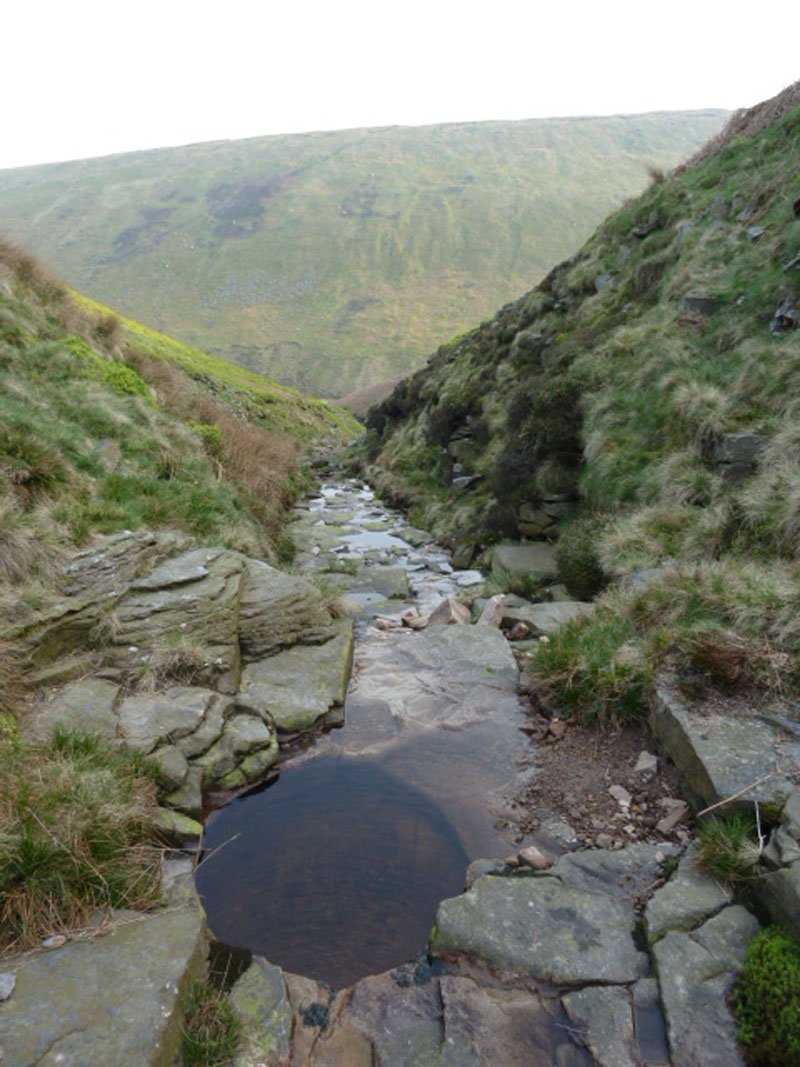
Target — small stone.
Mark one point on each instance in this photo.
(621, 795)
(56, 941)
(383, 624)
(557, 727)
(533, 857)
(604, 841)
(676, 815)
(492, 614)
(646, 764)
(518, 632)
(414, 620)
(449, 611)
(7, 982)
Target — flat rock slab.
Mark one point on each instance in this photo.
(696, 972)
(688, 898)
(622, 873)
(544, 619)
(604, 1015)
(297, 687)
(115, 1000)
(88, 706)
(717, 756)
(535, 561)
(448, 1021)
(444, 676)
(541, 927)
(112, 562)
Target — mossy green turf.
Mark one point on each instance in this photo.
(277, 407)
(615, 394)
(335, 260)
(766, 1001)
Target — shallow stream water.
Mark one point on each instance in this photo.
(335, 869)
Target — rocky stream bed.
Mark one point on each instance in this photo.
(558, 952)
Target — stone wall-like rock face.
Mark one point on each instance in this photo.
(171, 613)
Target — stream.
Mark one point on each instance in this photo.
(334, 870)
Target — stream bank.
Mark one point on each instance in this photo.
(529, 966)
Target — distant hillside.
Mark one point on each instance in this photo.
(331, 261)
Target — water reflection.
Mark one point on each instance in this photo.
(336, 872)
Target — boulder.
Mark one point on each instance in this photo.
(192, 599)
(696, 972)
(172, 767)
(545, 618)
(116, 999)
(736, 455)
(278, 610)
(259, 998)
(622, 873)
(189, 797)
(717, 756)
(541, 927)
(148, 720)
(243, 735)
(534, 562)
(177, 829)
(780, 895)
(700, 304)
(295, 688)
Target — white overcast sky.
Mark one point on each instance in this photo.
(84, 78)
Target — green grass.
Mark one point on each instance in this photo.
(594, 669)
(617, 398)
(724, 624)
(766, 1001)
(277, 407)
(75, 834)
(211, 1028)
(727, 848)
(97, 436)
(334, 260)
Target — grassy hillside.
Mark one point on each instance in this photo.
(101, 430)
(646, 391)
(334, 260)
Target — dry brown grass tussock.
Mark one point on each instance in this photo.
(747, 122)
(257, 459)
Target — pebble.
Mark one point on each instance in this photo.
(646, 764)
(534, 858)
(7, 982)
(56, 941)
(621, 795)
(679, 811)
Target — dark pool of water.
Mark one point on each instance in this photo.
(336, 872)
